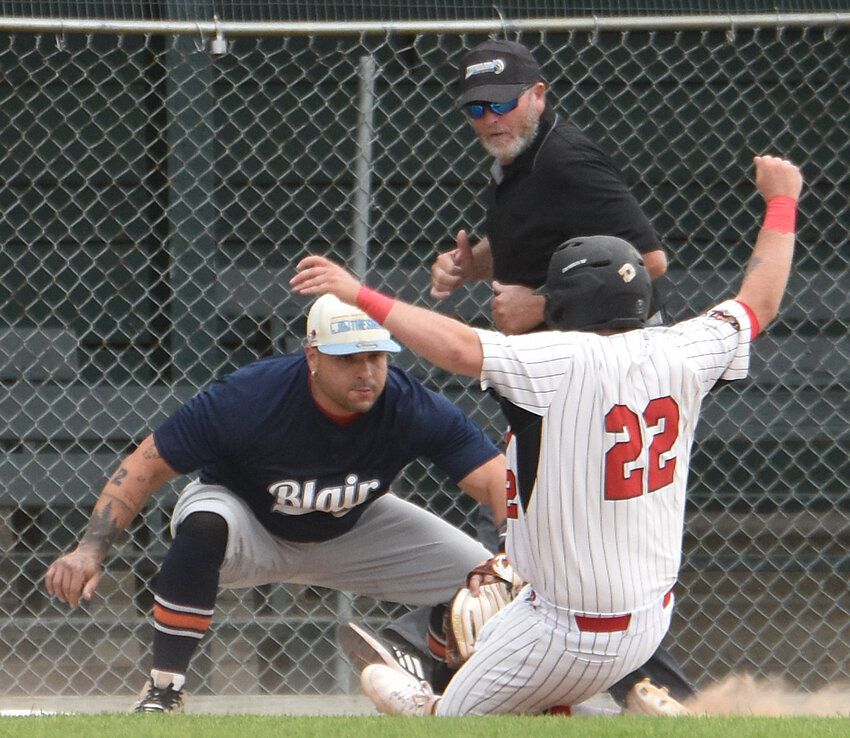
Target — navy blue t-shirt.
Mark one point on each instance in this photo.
(306, 477)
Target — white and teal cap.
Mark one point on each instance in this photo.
(336, 328)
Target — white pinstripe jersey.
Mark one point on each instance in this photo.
(600, 433)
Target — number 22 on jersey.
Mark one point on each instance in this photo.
(639, 461)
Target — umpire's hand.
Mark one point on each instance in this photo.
(452, 269)
(516, 308)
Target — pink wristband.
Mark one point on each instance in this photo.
(781, 214)
(375, 304)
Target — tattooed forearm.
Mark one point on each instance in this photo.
(126, 504)
(131, 494)
(752, 265)
(151, 452)
(119, 475)
(102, 529)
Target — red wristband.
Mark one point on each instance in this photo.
(755, 328)
(375, 304)
(781, 214)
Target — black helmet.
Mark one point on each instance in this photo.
(596, 282)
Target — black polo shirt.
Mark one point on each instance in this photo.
(562, 186)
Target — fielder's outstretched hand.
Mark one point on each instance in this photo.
(316, 275)
(74, 575)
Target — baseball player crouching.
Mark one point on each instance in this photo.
(296, 455)
(602, 413)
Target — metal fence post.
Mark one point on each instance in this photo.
(363, 167)
(191, 209)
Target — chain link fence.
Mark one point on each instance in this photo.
(156, 197)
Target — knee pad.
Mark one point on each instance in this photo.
(208, 527)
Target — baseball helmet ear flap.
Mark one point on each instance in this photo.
(596, 282)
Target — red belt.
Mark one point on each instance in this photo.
(612, 623)
(593, 624)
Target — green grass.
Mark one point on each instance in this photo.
(265, 726)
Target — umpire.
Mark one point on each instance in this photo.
(550, 183)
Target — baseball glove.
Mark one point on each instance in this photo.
(469, 612)
(498, 570)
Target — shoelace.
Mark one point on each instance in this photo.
(423, 695)
(419, 694)
(161, 698)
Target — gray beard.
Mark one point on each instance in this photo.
(523, 140)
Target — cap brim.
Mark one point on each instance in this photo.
(360, 347)
(493, 93)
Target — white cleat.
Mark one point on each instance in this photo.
(396, 692)
(645, 698)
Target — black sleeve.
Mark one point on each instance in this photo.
(601, 202)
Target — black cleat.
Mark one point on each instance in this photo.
(363, 648)
(154, 699)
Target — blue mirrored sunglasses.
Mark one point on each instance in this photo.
(475, 110)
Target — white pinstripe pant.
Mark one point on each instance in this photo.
(532, 656)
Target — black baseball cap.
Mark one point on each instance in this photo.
(496, 71)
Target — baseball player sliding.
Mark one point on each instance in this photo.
(602, 413)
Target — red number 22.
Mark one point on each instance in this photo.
(623, 484)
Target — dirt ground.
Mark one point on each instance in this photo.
(221, 705)
(736, 695)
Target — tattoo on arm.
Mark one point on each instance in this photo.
(102, 530)
(151, 452)
(119, 475)
(752, 264)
